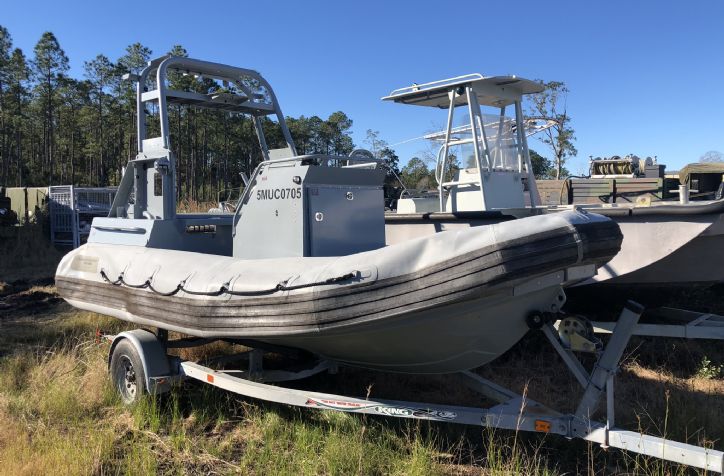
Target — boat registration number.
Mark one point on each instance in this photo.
(278, 193)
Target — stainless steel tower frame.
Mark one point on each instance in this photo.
(472, 90)
(155, 159)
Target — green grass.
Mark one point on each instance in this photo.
(59, 415)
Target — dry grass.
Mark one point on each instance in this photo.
(59, 415)
(194, 206)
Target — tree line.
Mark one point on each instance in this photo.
(56, 129)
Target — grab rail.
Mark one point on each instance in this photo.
(435, 84)
(327, 158)
(459, 182)
(123, 229)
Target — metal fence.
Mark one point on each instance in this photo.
(72, 210)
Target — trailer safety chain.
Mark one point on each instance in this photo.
(224, 289)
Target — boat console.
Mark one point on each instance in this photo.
(483, 162)
(302, 206)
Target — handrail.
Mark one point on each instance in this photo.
(245, 196)
(460, 182)
(531, 128)
(124, 229)
(433, 84)
(440, 165)
(299, 158)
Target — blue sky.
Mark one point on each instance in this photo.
(645, 77)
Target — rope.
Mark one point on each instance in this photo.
(224, 289)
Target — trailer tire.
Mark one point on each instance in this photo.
(127, 372)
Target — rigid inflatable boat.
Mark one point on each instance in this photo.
(451, 301)
(302, 263)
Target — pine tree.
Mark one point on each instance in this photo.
(99, 72)
(49, 67)
(6, 45)
(17, 99)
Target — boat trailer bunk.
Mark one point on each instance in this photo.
(139, 364)
(677, 323)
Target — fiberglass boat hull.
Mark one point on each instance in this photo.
(664, 244)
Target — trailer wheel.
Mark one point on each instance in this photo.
(127, 372)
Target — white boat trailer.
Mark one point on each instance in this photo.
(681, 323)
(138, 363)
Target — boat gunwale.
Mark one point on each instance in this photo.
(627, 209)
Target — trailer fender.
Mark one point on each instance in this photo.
(156, 366)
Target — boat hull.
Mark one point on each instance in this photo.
(669, 244)
(443, 339)
(667, 250)
(444, 303)
(459, 336)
